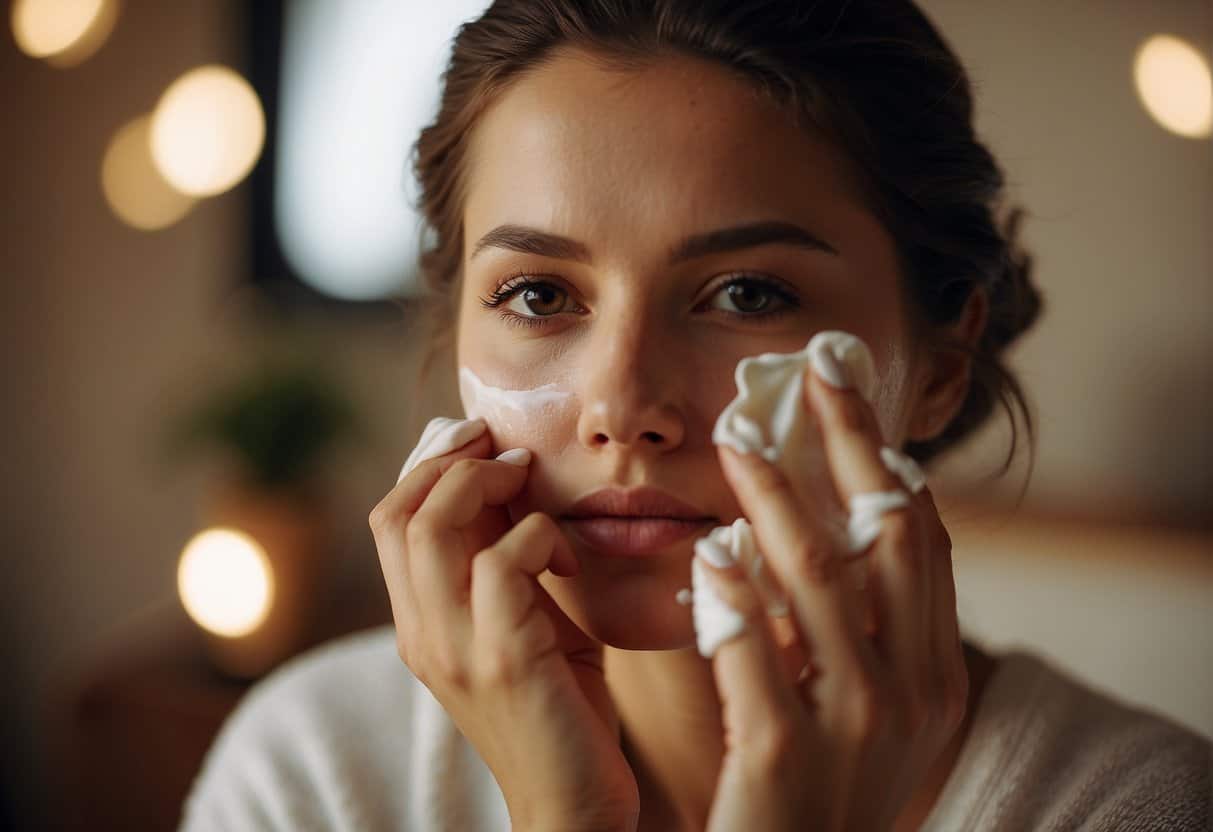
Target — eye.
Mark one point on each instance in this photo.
(753, 297)
(540, 299)
(529, 302)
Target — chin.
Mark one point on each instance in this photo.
(635, 611)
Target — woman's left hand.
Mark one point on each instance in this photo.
(846, 748)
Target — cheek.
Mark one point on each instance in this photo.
(893, 368)
(540, 417)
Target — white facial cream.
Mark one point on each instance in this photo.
(513, 411)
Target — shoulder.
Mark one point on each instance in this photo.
(1047, 750)
(1115, 765)
(304, 741)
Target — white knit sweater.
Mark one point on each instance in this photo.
(345, 738)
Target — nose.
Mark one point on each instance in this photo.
(630, 390)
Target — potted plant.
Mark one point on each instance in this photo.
(275, 425)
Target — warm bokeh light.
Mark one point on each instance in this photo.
(64, 32)
(1173, 80)
(207, 131)
(225, 582)
(134, 189)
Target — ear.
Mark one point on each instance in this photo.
(946, 374)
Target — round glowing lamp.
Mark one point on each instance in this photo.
(134, 189)
(225, 582)
(207, 131)
(1175, 86)
(62, 32)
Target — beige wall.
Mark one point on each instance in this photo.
(105, 328)
(1122, 228)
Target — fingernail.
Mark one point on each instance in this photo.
(515, 456)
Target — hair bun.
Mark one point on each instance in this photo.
(1015, 302)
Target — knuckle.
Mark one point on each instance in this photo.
(767, 477)
(900, 531)
(420, 533)
(375, 518)
(445, 663)
(538, 633)
(538, 523)
(463, 468)
(869, 710)
(491, 566)
(772, 746)
(815, 564)
(530, 528)
(381, 517)
(495, 669)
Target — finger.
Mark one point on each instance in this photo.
(898, 574)
(410, 491)
(505, 589)
(390, 517)
(945, 630)
(826, 607)
(757, 699)
(441, 535)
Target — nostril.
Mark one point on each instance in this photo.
(655, 438)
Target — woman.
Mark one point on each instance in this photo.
(628, 198)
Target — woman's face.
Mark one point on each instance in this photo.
(673, 223)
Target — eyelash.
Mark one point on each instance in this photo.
(520, 281)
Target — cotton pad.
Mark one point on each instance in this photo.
(441, 436)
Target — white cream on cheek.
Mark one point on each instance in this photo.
(517, 413)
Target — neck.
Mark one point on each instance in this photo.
(673, 736)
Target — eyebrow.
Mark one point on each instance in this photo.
(527, 240)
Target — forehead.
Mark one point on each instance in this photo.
(640, 155)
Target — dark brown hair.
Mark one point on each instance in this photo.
(874, 76)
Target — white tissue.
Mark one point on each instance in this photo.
(441, 436)
(770, 417)
(727, 545)
(715, 621)
(904, 467)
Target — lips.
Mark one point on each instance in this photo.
(634, 523)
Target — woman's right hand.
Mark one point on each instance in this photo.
(524, 685)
